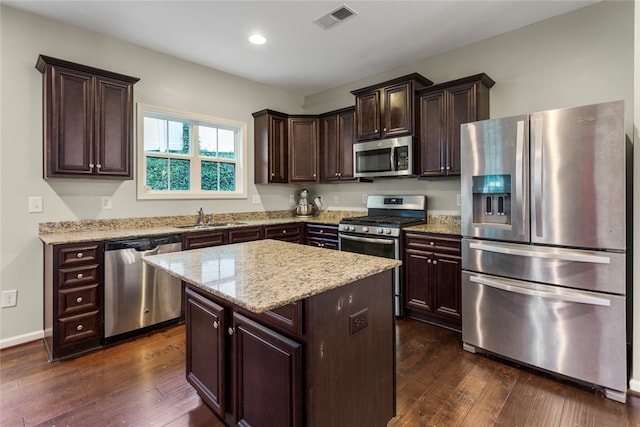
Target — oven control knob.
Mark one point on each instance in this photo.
(387, 231)
(380, 230)
(365, 229)
(351, 228)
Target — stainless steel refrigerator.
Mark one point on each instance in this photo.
(544, 242)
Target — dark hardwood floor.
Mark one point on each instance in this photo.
(141, 383)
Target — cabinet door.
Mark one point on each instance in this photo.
(368, 114)
(113, 127)
(433, 133)
(205, 335)
(329, 149)
(397, 111)
(245, 234)
(418, 275)
(346, 137)
(462, 109)
(447, 271)
(278, 151)
(284, 232)
(68, 123)
(303, 145)
(203, 239)
(268, 376)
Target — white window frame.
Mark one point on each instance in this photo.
(144, 193)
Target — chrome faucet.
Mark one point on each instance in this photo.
(200, 217)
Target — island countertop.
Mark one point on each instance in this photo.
(266, 274)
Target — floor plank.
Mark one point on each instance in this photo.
(142, 383)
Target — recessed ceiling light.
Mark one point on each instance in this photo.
(257, 39)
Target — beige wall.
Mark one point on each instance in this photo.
(583, 57)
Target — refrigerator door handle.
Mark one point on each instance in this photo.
(558, 254)
(558, 294)
(520, 174)
(537, 173)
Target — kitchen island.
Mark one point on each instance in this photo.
(281, 334)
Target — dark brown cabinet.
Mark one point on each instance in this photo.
(287, 232)
(442, 109)
(205, 327)
(337, 135)
(303, 149)
(87, 120)
(73, 293)
(271, 147)
(244, 371)
(386, 110)
(433, 285)
(322, 235)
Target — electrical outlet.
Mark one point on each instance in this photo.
(35, 204)
(336, 200)
(364, 198)
(358, 321)
(256, 199)
(292, 199)
(106, 203)
(459, 199)
(9, 298)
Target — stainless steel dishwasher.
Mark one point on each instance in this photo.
(137, 296)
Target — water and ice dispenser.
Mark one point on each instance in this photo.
(492, 199)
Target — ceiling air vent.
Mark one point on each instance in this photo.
(336, 16)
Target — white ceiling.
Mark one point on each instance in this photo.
(299, 56)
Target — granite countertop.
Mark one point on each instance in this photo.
(97, 230)
(266, 274)
(436, 228)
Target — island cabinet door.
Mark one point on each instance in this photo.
(268, 376)
(205, 335)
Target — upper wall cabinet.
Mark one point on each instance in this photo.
(87, 121)
(442, 109)
(271, 147)
(386, 110)
(337, 134)
(303, 149)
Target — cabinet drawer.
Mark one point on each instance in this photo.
(430, 242)
(203, 239)
(322, 231)
(286, 318)
(287, 232)
(78, 276)
(78, 300)
(80, 327)
(245, 234)
(78, 254)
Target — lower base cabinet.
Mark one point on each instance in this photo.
(300, 365)
(433, 279)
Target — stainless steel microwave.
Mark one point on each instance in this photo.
(387, 157)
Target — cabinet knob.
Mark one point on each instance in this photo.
(442, 168)
(314, 175)
(230, 330)
(384, 130)
(216, 324)
(337, 174)
(98, 166)
(273, 174)
(79, 327)
(80, 275)
(432, 243)
(321, 231)
(448, 167)
(79, 300)
(79, 255)
(375, 131)
(91, 165)
(428, 261)
(284, 231)
(435, 262)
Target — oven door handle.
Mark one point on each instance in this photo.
(559, 294)
(366, 239)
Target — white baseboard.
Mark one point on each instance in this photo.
(634, 385)
(21, 339)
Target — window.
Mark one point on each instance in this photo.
(189, 156)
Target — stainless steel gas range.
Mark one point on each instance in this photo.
(379, 232)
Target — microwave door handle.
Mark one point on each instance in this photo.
(393, 159)
(559, 294)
